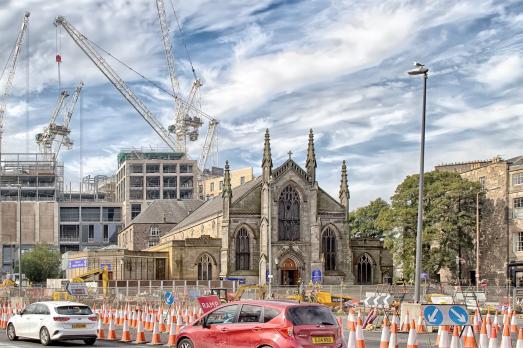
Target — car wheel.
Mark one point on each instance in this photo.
(45, 339)
(185, 343)
(90, 341)
(11, 333)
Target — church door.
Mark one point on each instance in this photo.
(289, 272)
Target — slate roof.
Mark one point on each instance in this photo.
(215, 205)
(516, 161)
(167, 211)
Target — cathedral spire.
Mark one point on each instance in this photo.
(344, 187)
(227, 188)
(267, 157)
(311, 159)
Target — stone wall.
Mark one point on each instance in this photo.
(382, 258)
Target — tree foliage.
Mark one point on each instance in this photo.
(448, 224)
(41, 262)
(364, 221)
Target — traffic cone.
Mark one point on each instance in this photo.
(412, 340)
(420, 327)
(483, 336)
(360, 340)
(456, 340)
(385, 334)
(469, 341)
(352, 336)
(477, 321)
(140, 335)
(126, 335)
(351, 320)
(171, 342)
(393, 340)
(101, 333)
(514, 324)
(506, 340)
(111, 336)
(163, 327)
(444, 339)
(405, 326)
(495, 322)
(519, 343)
(438, 335)
(155, 340)
(133, 319)
(493, 341)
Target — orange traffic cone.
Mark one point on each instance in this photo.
(393, 340)
(163, 327)
(469, 341)
(519, 343)
(360, 340)
(171, 342)
(483, 335)
(444, 339)
(126, 335)
(477, 321)
(405, 326)
(420, 327)
(456, 342)
(412, 340)
(493, 341)
(101, 333)
(140, 335)
(438, 335)
(506, 340)
(385, 334)
(111, 336)
(156, 335)
(514, 323)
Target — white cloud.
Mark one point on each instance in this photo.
(500, 71)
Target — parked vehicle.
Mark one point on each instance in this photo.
(267, 324)
(54, 321)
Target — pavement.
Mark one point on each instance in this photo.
(372, 340)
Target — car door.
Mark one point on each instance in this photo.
(41, 313)
(216, 327)
(244, 333)
(26, 321)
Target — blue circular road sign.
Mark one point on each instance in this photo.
(433, 315)
(169, 298)
(458, 315)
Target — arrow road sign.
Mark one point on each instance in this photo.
(433, 315)
(169, 298)
(458, 315)
(443, 314)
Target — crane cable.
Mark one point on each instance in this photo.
(58, 58)
(183, 40)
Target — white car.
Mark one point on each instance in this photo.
(54, 320)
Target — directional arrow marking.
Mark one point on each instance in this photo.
(433, 315)
(458, 315)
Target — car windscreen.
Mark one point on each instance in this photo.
(74, 310)
(310, 315)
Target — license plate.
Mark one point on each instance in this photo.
(79, 326)
(322, 339)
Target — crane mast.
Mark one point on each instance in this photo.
(87, 47)
(11, 67)
(209, 139)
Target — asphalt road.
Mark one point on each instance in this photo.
(372, 340)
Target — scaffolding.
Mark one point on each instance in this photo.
(39, 178)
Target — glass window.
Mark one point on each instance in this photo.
(328, 248)
(519, 243)
(135, 210)
(31, 309)
(482, 182)
(518, 202)
(269, 314)
(289, 214)
(152, 242)
(224, 315)
(517, 179)
(221, 185)
(205, 268)
(169, 168)
(69, 214)
(74, 310)
(242, 180)
(42, 309)
(111, 214)
(243, 252)
(90, 234)
(106, 233)
(212, 187)
(250, 314)
(152, 168)
(310, 315)
(136, 168)
(69, 233)
(154, 231)
(91, 214)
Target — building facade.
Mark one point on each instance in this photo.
(501, 216)
(143, 177)
(213, 186)
(280, 226)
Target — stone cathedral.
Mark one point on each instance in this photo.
(281, 223)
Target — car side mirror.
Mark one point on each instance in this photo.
(20, 311)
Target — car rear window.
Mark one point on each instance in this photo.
(74, 310)
(269, 314)
(310, 315)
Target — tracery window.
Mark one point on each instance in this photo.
(205, 267)
(328, 248)
(365, 269)
(289, 214)
(243, 253)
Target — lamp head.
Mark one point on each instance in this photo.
(419, 69)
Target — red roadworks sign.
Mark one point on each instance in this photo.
(209, 302)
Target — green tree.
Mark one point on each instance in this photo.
(448, 224)
(41, 262)
(364, 221)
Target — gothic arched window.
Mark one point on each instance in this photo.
(364, 271)
(328, 248)
(205, 267)
(289, 214)
(243, 253)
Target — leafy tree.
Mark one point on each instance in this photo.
(364, 221)
(448, 226)
(41, 263)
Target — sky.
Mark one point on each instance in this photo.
(338, 67)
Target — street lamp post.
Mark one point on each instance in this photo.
(269, 237)
(420, 69)
(19, 186)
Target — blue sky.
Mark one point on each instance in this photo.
(338, 67)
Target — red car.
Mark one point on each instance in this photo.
(264, 324)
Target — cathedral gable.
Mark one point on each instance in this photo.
(249, 203)
(328, 204)
(289, 165)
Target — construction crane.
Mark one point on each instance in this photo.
(186, 126)
(88, 48)
(10, 68)
(48, 137)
